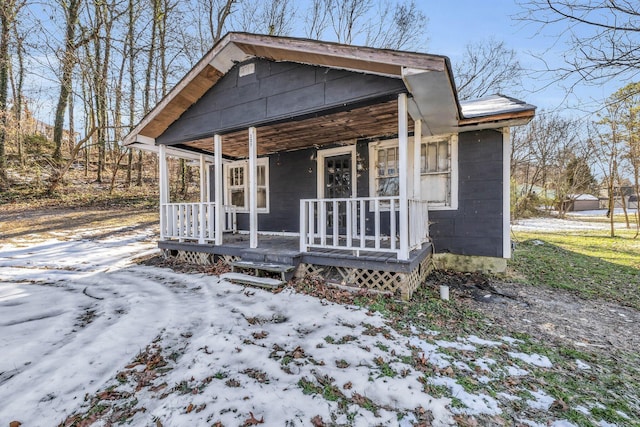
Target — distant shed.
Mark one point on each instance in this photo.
(581, 202)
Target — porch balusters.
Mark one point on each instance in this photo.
(379, 214)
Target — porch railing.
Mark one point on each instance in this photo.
(193, 221)
(360, 224)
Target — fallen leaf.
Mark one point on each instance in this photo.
(189, 408)
(560, 405)
(347, 386)
(317, 421)
(253, 421)
(15, 424)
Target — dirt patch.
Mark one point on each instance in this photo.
(41, 224)
(552, 315)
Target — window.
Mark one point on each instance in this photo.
(387, 171)
(438, 170)
(237, 179)
(437, 156)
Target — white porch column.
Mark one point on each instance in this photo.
(219, 209)
(203, 179)
(202, 211)
(253, 189)
(403, 142)
(164, 188)
(417, 147)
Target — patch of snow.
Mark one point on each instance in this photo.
(484, 363)
(479, 341)
(541, 400)
(475, 404)
(431, 353)
(556, 224)
(511, 340)
(508, 396)
(455, 345)
(581, 365)
(532, 359)
(514, 371)
(582, 410)
(557, 423)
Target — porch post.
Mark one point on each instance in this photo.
(219, 208)
(203, 179)
(417, 147)
(253, 189)
(202, 211)
(164, 186)
(403, 142)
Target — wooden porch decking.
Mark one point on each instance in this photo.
(286, 249)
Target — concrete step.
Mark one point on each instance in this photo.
(245, 279)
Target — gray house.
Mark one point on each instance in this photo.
(357, 163)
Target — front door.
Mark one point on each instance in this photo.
(337, 185)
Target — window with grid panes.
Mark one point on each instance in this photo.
(438, 170)
(435, 171)
(237, 191)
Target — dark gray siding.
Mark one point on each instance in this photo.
(292, 176)
(476, 227)
(276, 91)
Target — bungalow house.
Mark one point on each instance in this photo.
(356, 162)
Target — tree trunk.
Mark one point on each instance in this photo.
(6, 18)
(72, 10)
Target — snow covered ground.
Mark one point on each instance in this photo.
(573, 222)
(85, 331)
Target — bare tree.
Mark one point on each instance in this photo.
(398, 26)
(8, 12)
(71, 10)
(274, 17)
(623, 117)
(316, 19)
(541, 153)
(603, 35)
(487, 67)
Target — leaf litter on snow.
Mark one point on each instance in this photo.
(224, 355)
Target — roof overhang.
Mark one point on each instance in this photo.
(428, 79)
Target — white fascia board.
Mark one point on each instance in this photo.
(173, 152)
(228, 57)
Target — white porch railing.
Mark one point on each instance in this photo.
(193, 221)
(360, 224)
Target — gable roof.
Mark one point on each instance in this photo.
(428, 79)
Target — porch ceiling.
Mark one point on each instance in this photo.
(363, 122)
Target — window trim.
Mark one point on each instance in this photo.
(263, 161)
(453, 141)
(453, 170)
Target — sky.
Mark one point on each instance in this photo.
(453, 24)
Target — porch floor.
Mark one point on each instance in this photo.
(286, 249)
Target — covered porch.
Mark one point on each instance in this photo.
(353, 225)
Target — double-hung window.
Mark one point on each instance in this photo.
(237, 185)
(438, 164)
(438, 171)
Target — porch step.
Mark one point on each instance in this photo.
(245, 279)
(285, 270)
